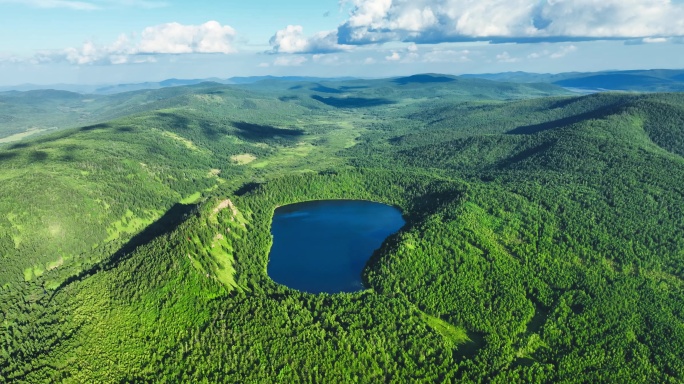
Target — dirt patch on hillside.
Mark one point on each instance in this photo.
(226, 204)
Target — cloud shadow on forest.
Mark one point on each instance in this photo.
(257, 132)
(164, 225)
(564, 122)
(352, 102)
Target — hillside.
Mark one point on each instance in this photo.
(544, 241)
(37, 112)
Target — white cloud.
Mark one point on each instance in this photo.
(292, 40)
(505, 57)
(369, 12)
(174, 38)
(563, 51)
(540, 54)
(652, 40)
(655, 40)
(393, 57)
(434, 21)
(171, 38)
(289, 61)
(557, 54)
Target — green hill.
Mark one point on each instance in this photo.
(544, 238)
(31, 113)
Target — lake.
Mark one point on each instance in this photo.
(323, 246)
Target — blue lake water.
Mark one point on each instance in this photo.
(323, 246)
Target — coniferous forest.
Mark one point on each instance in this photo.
(544, 237)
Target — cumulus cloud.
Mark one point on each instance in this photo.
(395, 56)
(171, 38)
(435, 21)
(174, 38)
(292, 40)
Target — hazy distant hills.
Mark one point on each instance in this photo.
(27, 110)
(108, 89)
(654, 80)
(27, 113)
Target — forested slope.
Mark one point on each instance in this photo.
(544, 242)
(43, 111)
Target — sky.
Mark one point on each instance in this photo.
(127, 41)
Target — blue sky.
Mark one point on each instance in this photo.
(113, 41)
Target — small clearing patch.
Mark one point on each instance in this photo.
(28, 274)
(237, 218)
(452, 334)
(20, 136)
(55, 229)
(214, 99)
(243, 159)
(130, 224)
(38, 271)
(187, 143)
(226, 204)
(192, 199)
(55, 264)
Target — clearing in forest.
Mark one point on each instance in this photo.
(243, 159)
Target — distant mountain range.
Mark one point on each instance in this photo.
(109, 89)
(35, 112)
(652, 80)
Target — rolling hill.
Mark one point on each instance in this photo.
(544, 236)
(37, 112)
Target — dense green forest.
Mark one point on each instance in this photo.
(544, 238)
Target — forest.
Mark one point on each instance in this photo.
(544, 238)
